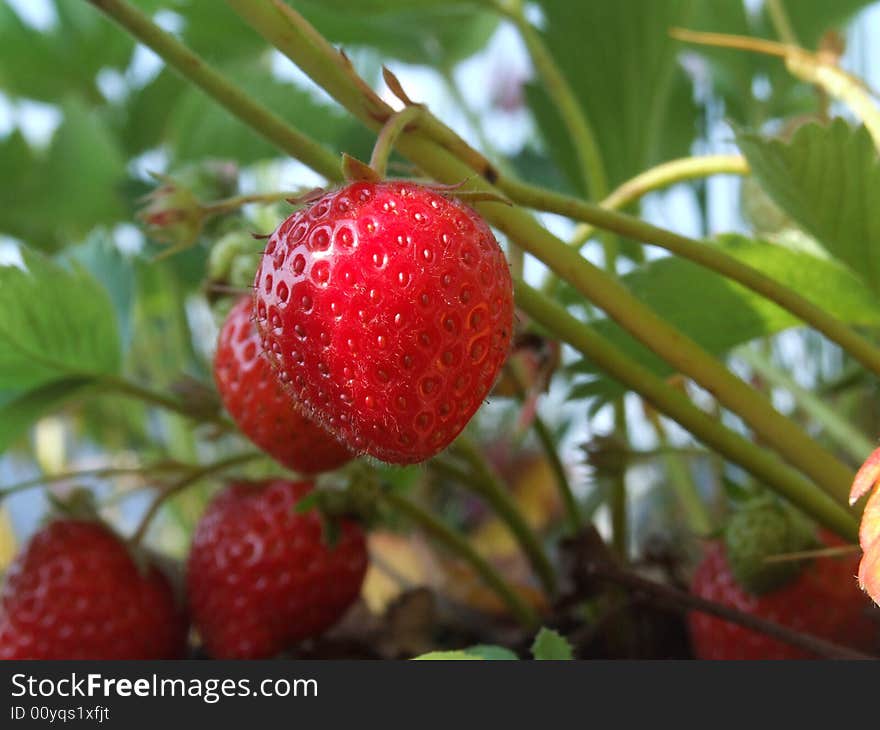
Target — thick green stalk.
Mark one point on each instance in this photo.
(737, 449)
(458, 545)
(838, 428)
(704, 254)
(191, 66)
(487, 483)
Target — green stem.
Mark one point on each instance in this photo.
(781, 23)
(487, 484)
(237, 101)
(121, 386)
(737, 449)
(545, 438)
(439, 157)
(617, 496)
(515, 255)
(98, 473)
(392, 129)
(659, 177)
(188, 480)
(227, 205)
(458, 545)
(706, 255)
(682, 482)
(580, 131)
(842, 432)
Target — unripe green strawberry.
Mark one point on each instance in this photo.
(760, 530)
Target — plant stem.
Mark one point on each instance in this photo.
(545, 438)
(781, 23)
(845, 435)
(458, 545)
(737, 449)
(98, 473)
(662, 176)
(617, 497)
(227, 205)
(487, 484)
(688, 602)
(237, 101)
(580, 131)
(515, 255)
(706, 255)
(812, 68)
(121, 386)
(186, 481)
(448, 159)
(682, 482)
(392, 129)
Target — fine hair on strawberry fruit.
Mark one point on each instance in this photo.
(386, 309)
(261, 408)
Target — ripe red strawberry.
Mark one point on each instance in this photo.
(823, 600)
(387, 309)
(260, 576)
(262, 410)
(76, 593)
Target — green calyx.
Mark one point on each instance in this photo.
(759, 533)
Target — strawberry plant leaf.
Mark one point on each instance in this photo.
(197, 128)
(729, 314)
(426, 31)
(99, 255)
(57, 323)
(826, 179)
(550, 644)
(481, 651)
(620, 62)
(77, 179)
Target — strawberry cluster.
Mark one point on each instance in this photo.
(381, 316)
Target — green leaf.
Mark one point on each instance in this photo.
(620, 61)
(720, 314)
(99, 255)
(423, 32)
(62, 194)
(198, 128)
(18, 413)
(446, 656)
(828, 180)
(56, 324)
(481, 651)
(549, 644)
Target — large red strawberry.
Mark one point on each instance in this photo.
(76, 593)
(824, 600)
(387, 309)
(260, 577)
(262, 410)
